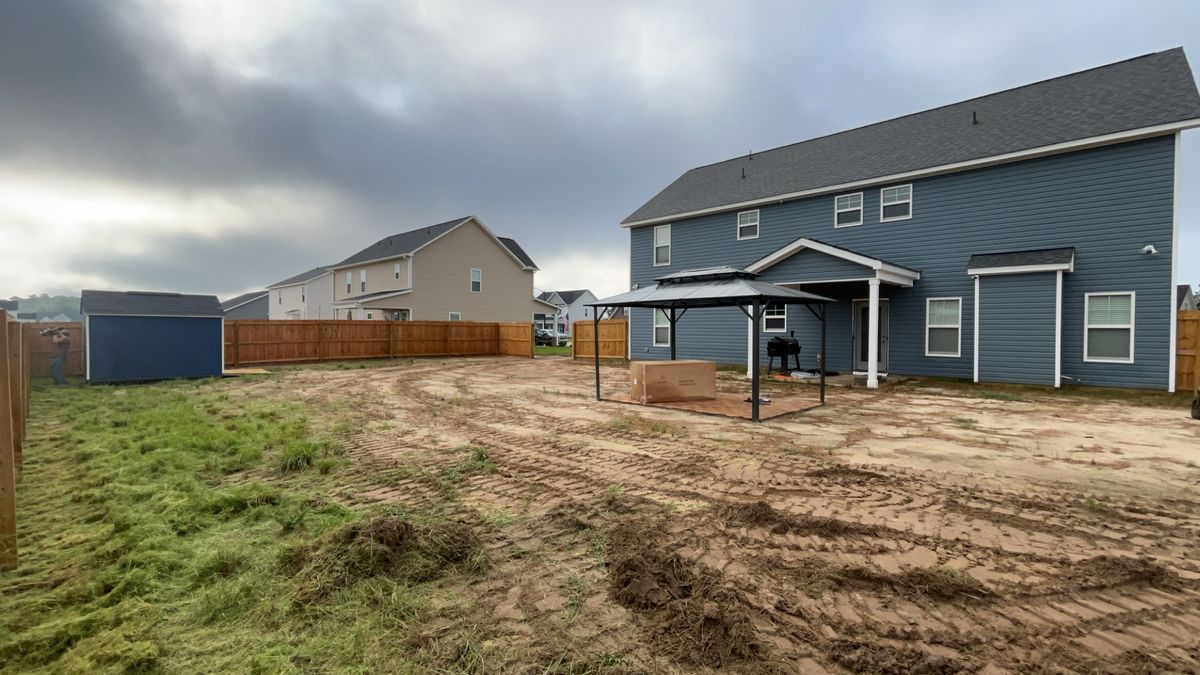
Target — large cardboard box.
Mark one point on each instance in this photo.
(666, 381)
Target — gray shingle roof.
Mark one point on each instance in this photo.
(1045, 256)
(400, 244)
(147, 303)
(1181, 292)
(1146, 91)
(301, 278)
(516, 250)
(544, 296)
(242, 299)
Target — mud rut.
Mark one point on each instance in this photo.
(824, 572)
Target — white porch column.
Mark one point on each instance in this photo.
(873, 336)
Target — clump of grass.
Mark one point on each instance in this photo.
(302, 454)
(1095, 505)
(1000, 396)
(968, 423)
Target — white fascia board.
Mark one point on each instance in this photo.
(1057, 148)
(1021, 269)
(548, 304)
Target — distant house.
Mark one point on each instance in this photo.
(10, 307)
(1185, 299)
(43, 317)
(572, 307)
(252, 305)
(453, 271)
(308, 295)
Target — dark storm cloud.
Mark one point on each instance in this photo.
(554, 152)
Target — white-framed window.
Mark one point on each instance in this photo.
(774, 319)
(476, 280)
(396, 271)
(370, 315)
(302, 295)
(279, 295)
(848, 210)
(349, 282)
(662, 329)
(747, 225)
(362, 281)
(943, 327)
(662, 245)
(1108, 320)
(455, 316)
(895, 203)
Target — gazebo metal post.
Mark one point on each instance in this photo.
(671, 322)
(824, 311)
(596, 348)
(754, 361)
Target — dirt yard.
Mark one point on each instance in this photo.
(912, 529)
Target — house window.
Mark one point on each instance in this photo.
(747, 225)
(370, 315)
(302, 293)
(362, 281)
(396, 271)
(662, 245)
(1108, 325)
(476, 281)
(775, 319)
(349, 282)
(280, 298)
(848, 210)
(943, 327)
(456, 316)
(662, 329)
(895, 203)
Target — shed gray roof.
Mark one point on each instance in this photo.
(710, 287)
(1142, 92)
(515, 248)
(301, 278)
(148, 303)
(242, 299)
(1045, 256)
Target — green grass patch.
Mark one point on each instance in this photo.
(968, 423)
(551, 350)
(1000, 396)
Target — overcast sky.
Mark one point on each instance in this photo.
(207, 146)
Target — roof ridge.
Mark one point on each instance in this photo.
(939, 107)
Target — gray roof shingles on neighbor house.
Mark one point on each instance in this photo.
(407, 242)
(301, 278)
(147, 303)
(242, 299)
(1142, 92)
(1045, 256)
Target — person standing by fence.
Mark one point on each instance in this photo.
(62, 347)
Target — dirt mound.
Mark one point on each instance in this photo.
(574, 516)
(387, 546)
(762, 514)
(843, 473)
(690, 614)
(814, 576)
(878, 658)
(1105, 571)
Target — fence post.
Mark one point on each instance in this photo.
(237, 344)
(8, 476)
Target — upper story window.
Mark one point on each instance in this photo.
(943, 327)
(747, 225)
(396, 271)
(362, 281)
(895, 203)
(775, 319)
(662, 245)
(848, 210)
(279, 295)
(302, 294)
(476, 280)
(1108, 327)
(349, 282)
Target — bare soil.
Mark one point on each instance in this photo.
(904, 530)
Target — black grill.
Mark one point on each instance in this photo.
(781, 348)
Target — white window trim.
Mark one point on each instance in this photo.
(362, 281)
(774, 330)
(908, 201)
(450, 316)
(349, 282)
(654, 328)
(471, 283)
(654, 245)
(396, 271)
(757, 224)
(946, 355)
(861, 209)
(1087, 299)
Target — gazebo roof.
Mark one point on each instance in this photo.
(710, 287)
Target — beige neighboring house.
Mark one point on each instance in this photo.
(456, 271)
(308, 295)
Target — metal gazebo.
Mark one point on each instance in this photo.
(676, 293)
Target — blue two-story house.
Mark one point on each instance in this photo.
(1027, 236)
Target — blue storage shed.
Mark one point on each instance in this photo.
(137, 335)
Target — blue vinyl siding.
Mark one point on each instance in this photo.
(1106, 202)
(1016, 328)
(136, 348)
(813, 266)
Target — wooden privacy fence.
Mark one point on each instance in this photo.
(261, 342)
(14, 410)
(1187, 347)
(613, 336)
(41, 349)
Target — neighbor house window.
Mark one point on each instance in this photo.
(662, 245)
(362, 281)
(302, 296)
(396, 271)
(895, 203)
(775, 319)
(456, 316)
(1108, 324)
(848, 210)
(476, 281)
(349, 282)
(370, 315)
(662, 329)
(280, 298)
(747, 225)
(943, 326)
